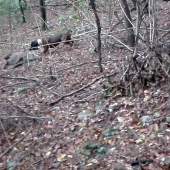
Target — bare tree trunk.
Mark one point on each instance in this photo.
(43, 15)
(22, 11)
(10, 26)
(131, 36)
(93, 5)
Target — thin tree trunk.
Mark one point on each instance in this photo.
(10, 26)
(131, 36)
(43, 15)
(93, 5)
(22, 11)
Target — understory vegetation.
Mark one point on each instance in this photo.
(102, 103)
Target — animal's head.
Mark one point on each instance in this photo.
(34, 45)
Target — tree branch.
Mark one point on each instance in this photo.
(15, 144)
(82, 88)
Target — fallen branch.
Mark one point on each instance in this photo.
(82, 88)
(143, 161)
(5, 134)
(9, 43)
(15, 144)
(11, 85)
(87, 98)
(23, 117)
(19, 78)
(78, 65)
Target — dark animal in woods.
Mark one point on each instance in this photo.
(52, 41)
(18, 58)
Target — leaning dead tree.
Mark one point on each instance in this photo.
(99, 33)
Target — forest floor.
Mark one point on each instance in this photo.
(89, 129)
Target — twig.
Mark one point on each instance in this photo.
(119, 42)
(15, 84)
(82, 88)
(20, 78)
(124, 12)
(15, 144)
(119, 22)
(86, 98)
(6, 135)
(37, 162)
(23, 117)
(143, 161)
(81, 12)
(9, 43)
(99, 32)
(77, 65)
(17, 106)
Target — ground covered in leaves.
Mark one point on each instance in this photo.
(90, 128)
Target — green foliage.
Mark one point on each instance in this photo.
(48, 1)
(71, 10)
(58, 32)
(22, 89)
(74, 17)
(6, 5)
(87, 153)
(101, 150)
(61, 19)
(109, 132)
(12, 165)
(12, 7)
(91, 148)
(81, 3)
(78, 152)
